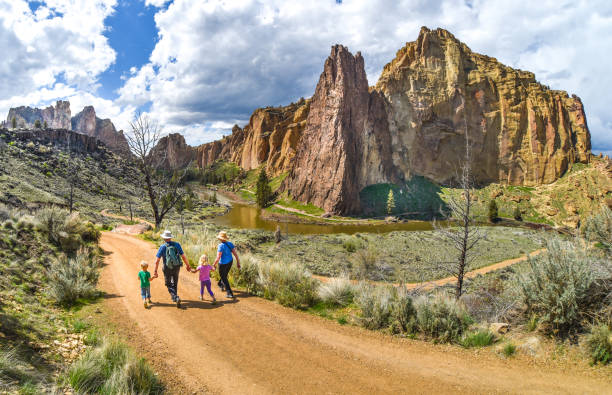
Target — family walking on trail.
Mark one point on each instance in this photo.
(173, 257)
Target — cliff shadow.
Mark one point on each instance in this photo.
(417, 198)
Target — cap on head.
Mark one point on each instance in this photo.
(222, 236)
(166, 235)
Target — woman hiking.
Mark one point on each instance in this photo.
(225, 250)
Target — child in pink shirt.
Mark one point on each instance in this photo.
(204, 268)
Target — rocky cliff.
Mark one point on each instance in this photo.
(270, 137)
(172, 152)
(86, 122)
(57, 117)
(430, 100)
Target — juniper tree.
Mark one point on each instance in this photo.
(37, 124)
(493, 211)
(45, 125)
(14, 123)
(263, 192)
(390, 202)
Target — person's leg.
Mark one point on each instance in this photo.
(208, 288)
(169, 279)
(149, 294)
(175, 278)
(202, 285)
(223, 272)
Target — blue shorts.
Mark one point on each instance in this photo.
(145, 292)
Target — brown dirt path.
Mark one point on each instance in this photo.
(255, 346)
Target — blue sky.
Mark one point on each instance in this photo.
(199, 66)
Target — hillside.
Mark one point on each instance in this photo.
(413, 121)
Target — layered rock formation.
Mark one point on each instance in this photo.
(270, 137)
(172, 152)
(434, 99)
(86, 122)
(57, 117)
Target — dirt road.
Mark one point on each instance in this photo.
(255, 346)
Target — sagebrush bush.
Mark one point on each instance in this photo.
(376, 304)
(65, 230)
(337, 291)
(50, 222)
(557, 286)
(599, 344)
(290, 284)
(248, 275)
(404, 313)
(442, 318)
(73, 278)
(598, 228)
(113, 369)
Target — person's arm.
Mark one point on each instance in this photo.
(156, 266)
(236, 255)
(217, 260)
(151, 278)
(186, 261)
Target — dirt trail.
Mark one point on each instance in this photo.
(255, 346)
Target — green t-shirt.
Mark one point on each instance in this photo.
(144, 279)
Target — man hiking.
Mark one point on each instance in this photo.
(171, 252)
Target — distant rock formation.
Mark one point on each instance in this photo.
(173, 152)
(64, 138)
(57, 117)
(86, 122)
(270, 137)
(429, 100)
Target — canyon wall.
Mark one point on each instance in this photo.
(59, 117)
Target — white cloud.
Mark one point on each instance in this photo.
(219, 60)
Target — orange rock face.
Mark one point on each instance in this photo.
(270, 137)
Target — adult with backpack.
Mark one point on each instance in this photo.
(171, 252)
(225, 250)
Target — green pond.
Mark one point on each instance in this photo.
(244, 216)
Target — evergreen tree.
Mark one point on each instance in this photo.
(263, 193)
(37, 124)
(493, 212)
(45, 125)
(213, 198)
(14, 123)
(390, 202)
(517, 214)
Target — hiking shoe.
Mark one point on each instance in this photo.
(178, 302)
(146, 304)
(229, 296)
(150, 301)
(201, 297)
(214, 301)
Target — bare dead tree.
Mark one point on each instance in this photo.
(163, 187)
(463, 239)
(71, 172)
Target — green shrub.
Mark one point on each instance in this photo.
(290, 284)
(441, 318)
(598, 228)
(73, 278)
(349, 245)
(532, 323)
(50, 222)
(599, 344)
(404, 312)
(509, 350)
(113, 369)
(517, 214)
(376, 304)
(480, 338)
(556, 286)
(337, 292)
(248, 274)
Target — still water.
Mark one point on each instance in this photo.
(248, 217)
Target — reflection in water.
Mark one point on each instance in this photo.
(247, 217)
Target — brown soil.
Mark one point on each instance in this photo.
(251, 345)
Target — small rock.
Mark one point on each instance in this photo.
(531, 346)
(499, 327)
(326, 215)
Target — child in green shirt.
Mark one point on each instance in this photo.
(145, 286)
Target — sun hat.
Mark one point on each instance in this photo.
(144, 263)
(166, 235)
(222, 236)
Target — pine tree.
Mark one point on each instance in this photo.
(390, 202)
(45, 125)
(493, 212)
(37, 124)
(14, 123)
(263, 193)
